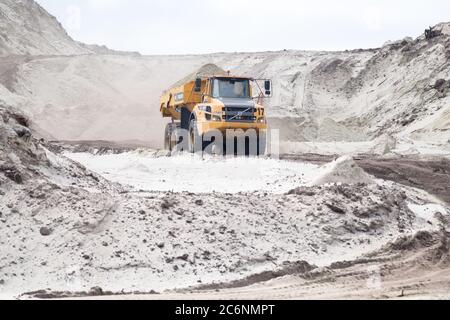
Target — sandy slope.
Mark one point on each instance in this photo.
(27, 29)
(401, 89)
(318, 96)
(411, 268)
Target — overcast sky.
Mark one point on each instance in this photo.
(204, 26)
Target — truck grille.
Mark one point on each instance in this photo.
(239, 114)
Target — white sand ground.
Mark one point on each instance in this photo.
(145, 171)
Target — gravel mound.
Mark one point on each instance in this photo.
(344, 171)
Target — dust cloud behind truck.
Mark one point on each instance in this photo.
(213, 110)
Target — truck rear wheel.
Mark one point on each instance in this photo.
(167, 134)
(195, 140)
(169, 137)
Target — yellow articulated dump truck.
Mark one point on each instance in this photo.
(215, 112)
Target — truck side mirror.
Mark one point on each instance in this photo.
(198, 85)
(268, 87)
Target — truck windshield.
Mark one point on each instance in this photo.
(231, 88)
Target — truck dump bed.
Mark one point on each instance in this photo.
(182, 93)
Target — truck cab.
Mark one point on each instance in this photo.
(228, 104)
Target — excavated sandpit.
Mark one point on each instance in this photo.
(67, 228)
(144, 222)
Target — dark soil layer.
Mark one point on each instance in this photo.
(429, 174)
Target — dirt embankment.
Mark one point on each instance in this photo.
(432, 176)
(413, 267)
(429, 174)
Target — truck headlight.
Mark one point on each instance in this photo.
(207, 111)
(204, 108)
(262, 120)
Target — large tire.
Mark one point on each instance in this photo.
(195, 140)
(169, 143)
(167, 134)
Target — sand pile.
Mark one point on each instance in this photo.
(19, 152)
(67, 238)
(345, 171)
(27, 29)
(444, 28)
(207, 70)
(384, 144)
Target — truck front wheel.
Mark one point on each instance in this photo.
(262, 143)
